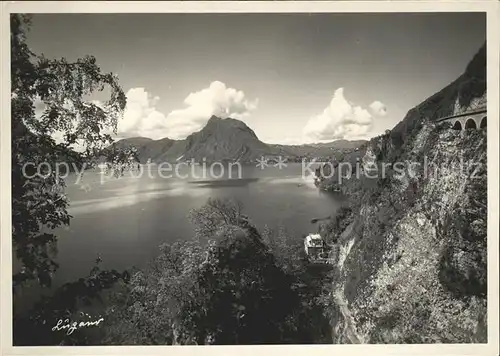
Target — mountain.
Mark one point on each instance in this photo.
(220, 140)
(146, 147)
(226, 140)
(409, 251)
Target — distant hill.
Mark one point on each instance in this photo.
(146, 147)
(318, 149)
(226, 140)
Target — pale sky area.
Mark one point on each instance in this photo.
(293, 78)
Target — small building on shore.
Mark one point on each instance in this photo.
(314, 245)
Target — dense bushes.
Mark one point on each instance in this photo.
(224, 287)
(71, 301)
(39, 204)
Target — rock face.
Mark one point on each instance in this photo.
(457, 96)
(224, 140)
(411, 264)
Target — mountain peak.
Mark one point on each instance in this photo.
(218, 123)
(214, 118)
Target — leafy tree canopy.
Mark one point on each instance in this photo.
(38, 201)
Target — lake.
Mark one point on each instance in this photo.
(124, 220)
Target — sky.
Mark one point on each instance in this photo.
(293, 78)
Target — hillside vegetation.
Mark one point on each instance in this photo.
(410, 249)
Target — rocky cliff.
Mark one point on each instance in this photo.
(410, 250)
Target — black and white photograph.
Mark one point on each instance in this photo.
(250, 178)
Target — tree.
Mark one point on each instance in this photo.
(212, 215)
(288, 252)
(147, 310)
(243, 297)
(226, 289)
(38, 200)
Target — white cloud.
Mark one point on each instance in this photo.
(378, 108)
(340, 120)
(141, 118)
(217, 100)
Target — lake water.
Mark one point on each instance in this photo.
(124, 220)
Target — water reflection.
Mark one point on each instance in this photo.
(125, 220)
(132, 194)
(223, 183)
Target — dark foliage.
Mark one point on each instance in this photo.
(34, 327)
(39, 204)
(229, 285)
(38, 201)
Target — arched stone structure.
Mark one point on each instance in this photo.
(471, 120)
(483, 123)
(470, 124)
